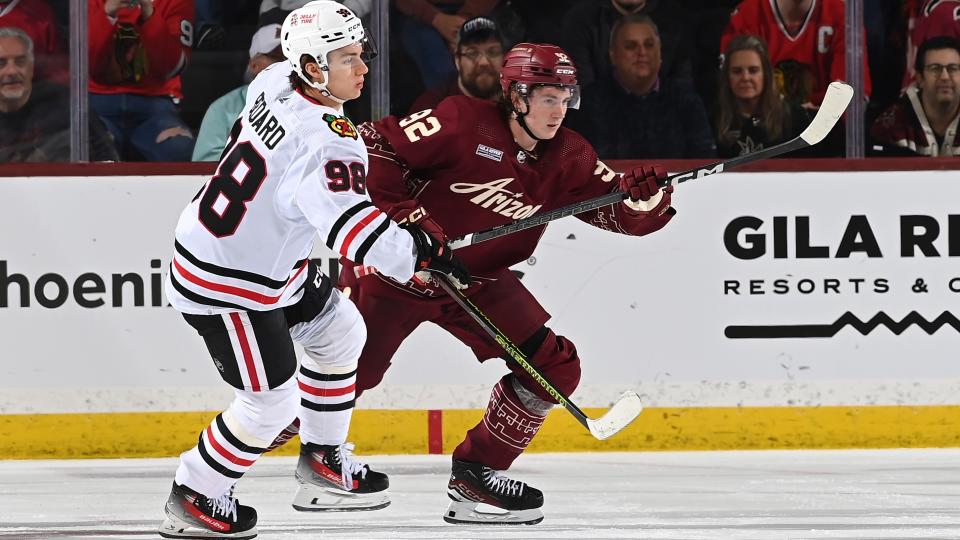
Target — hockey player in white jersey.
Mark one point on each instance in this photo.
(294, 167)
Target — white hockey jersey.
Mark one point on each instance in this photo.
(292, 168)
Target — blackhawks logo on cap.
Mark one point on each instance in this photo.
(340, 125)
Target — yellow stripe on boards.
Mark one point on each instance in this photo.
(764, 428)
(110, 435)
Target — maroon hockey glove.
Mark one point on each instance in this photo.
(641, 182)
(410, 212)
(434, 255)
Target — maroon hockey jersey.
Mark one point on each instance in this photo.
(805, 62)
(459, 162)
(904, 129)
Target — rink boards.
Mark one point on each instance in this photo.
(777, 310)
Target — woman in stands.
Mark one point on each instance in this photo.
(751, 114)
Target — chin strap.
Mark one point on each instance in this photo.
(523, 124)
(527, 129)
(321, 87)
(327, 94)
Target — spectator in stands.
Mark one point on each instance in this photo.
(214, 17)
(587, 28)
(478, 58)
(222, 113)
(36, 19)
(924, 121)
(751, 114)
(138, 48)
(209, 33)
(536, 21)
(927, 19)
(636, 113)
(34, 118)
(805, 39)
(428, 31)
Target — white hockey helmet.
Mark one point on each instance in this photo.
(316, 29)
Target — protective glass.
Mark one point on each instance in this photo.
(370, 50)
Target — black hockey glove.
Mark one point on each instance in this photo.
(435, 256)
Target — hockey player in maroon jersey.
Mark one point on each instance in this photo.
(805, 39)
(465, 166)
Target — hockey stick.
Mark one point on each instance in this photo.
(624, 410)
(834, 104)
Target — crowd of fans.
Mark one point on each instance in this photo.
(659, 78)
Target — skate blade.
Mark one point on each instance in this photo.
(472, 513)
(311, 498)
(173, 527)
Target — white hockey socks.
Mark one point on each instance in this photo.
(230, 445)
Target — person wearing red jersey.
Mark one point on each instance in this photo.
(806, 43)
(138, 48)
(928, 19)
(36, 19)
(467, 165)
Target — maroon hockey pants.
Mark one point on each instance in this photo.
(392, 312)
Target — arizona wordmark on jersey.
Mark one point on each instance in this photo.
(291, 169)
(460, 163)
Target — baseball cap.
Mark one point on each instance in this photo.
(479, 29)
(266, 41)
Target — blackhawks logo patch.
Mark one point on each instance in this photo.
(340, 125)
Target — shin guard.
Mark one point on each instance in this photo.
(505, 431)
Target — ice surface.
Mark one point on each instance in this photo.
(768, 495)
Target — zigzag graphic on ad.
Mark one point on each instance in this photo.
(847, 319)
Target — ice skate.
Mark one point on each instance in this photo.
(480, 494)
(332, 480)
(192, 515)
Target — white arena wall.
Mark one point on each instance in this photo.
(777, 309)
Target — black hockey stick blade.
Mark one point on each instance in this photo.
(834, 103)
(620, 415)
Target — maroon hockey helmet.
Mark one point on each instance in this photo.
(530, 64)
